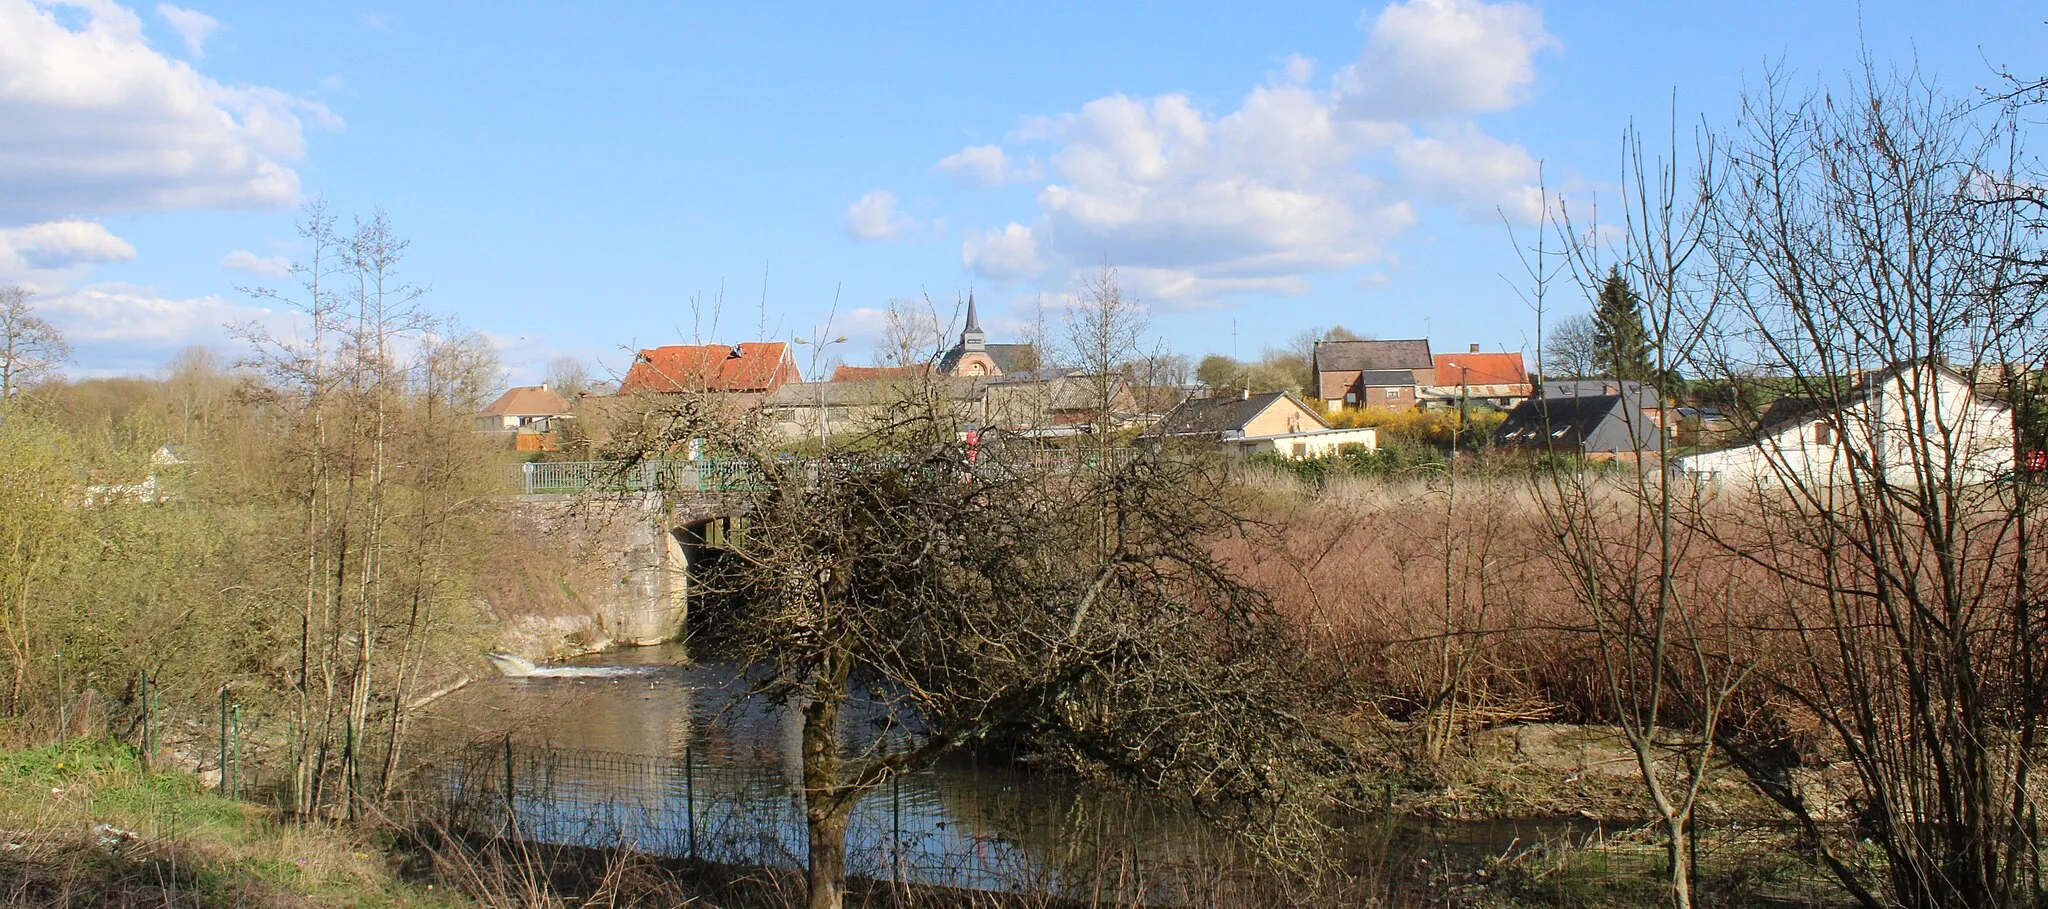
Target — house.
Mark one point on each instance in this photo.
(1246, 424)
(1388, 374)
(1645, 398)
(974, 356)
(530, 414)
(808, 410)
(524, 408)
(1897, 423)
(845, 373)
(754, 367)
(1479, 378)
(1601, 427)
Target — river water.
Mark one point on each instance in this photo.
(643, 748)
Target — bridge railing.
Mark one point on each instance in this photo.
(573, 477)
(727, 474)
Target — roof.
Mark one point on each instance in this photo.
(1366, 356)
(1009, 358)
(866, 373)
(870, 391)
(1227, 413)
(528, 401)
(751, 366)
(1644, 395)
(1480, 369)
(1380, 378)
(1584, 423)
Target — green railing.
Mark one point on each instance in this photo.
(575, 477)
(714, 475)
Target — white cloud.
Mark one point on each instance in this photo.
(988, 165)
(244, 260)
(98, 121)
(1002, 255)
(191, 25)
(874, 217)
(1441, 58)
(1298, 180)
(128, 317)
(58, 245)
(1475, 170)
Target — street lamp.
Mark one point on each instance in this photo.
(817, 357)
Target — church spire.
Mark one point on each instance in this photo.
(971, 338)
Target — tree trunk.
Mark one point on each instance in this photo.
(828, 859)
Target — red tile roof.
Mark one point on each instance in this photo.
(866, 373)
(751, 366)
(1480, 369)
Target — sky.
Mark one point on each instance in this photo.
(572, 178)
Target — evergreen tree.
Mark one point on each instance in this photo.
(1621, 345)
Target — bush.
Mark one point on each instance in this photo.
(1435, 428)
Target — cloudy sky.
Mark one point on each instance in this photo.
(570, 178)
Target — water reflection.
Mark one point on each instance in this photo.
(675, 760)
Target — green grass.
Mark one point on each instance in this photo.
(191, 847)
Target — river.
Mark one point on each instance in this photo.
(644, 748)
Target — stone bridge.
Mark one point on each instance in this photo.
(640, 528)
(643, 525)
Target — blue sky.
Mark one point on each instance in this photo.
(571, 177)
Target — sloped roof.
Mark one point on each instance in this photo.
(751, 366)
(1009, 358)
(1381, 378)
(1480, 369)
(866, 373)
(1371, 355)
(528, 401)
(1227, 413)
(1587, 423)
(867, 392)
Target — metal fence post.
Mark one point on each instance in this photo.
(527, 469)
(510, 817)
(222, 788)
(896, 829)
(690, 796)
(147, 744)
(63, 708)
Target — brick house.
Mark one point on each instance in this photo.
(1388, 374)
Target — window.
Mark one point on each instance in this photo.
(1823, 434)
(1300, 450)
(1393, 394)
(1350, 398)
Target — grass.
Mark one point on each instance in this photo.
(82, 825)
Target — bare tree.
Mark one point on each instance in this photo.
(1863, 259)
(1572, 349)
(568, 376)
(909, 603)
(30, 348)
(1105, 331)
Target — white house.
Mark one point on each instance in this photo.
(1904, 423)
(1246, 424)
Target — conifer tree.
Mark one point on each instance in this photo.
(1621, 346)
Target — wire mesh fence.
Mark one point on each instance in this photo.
(1001, 835)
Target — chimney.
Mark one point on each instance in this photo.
(1246, 394)
(1475, 348)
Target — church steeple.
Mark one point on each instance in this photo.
(971, 339)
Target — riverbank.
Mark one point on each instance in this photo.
(83, 825)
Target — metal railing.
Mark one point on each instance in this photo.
(714, 475)
(574, 477)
